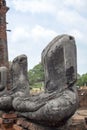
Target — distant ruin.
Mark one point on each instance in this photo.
(51, 109)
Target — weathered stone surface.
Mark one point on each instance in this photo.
(59, 59)
(18, 81)
(58, 102)
(3, 77)
(19, 77)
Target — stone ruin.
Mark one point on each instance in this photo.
(51, 109)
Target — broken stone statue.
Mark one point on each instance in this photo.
(52, 108)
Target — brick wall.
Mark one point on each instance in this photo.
(3, 36)
(82, 98)
(3, 11)
(79, 119)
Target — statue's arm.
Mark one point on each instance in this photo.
(32, 103)
(6, 103)
(54, 110)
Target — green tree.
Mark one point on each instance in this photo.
(82, 80)
(36, 74)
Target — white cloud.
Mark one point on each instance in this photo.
(19, 34)
(33, 5)
(81, 60)
(70, 18)
(36, 33)
(79, 5)
(50, 6)
(40, 32)
(36, 22)
(30, 42)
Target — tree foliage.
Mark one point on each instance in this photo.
(36, 74)
(82, 80)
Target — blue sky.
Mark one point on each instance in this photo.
(34, 23)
